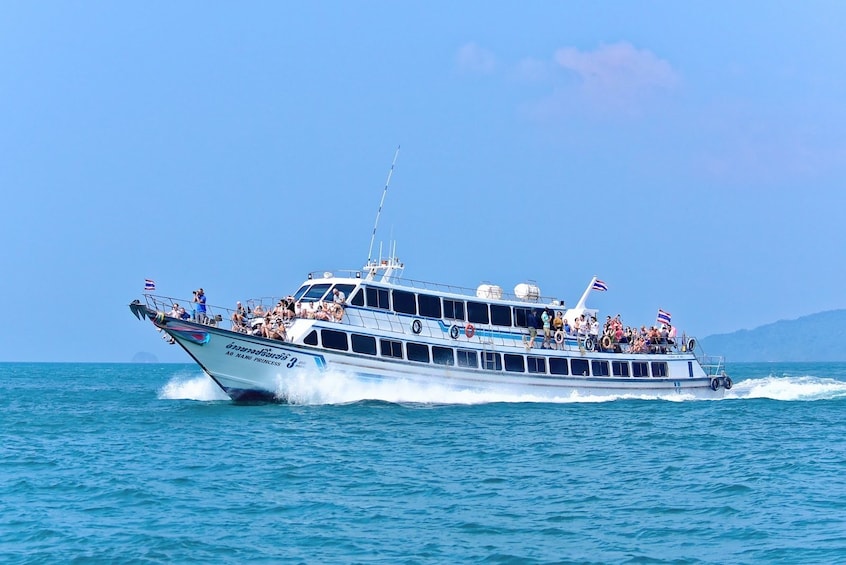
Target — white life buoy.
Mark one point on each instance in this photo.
(417, 326)
(454, 332)
(559, 337)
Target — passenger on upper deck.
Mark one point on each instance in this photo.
(532, 323)
(338, 297)
(174, 311)
(546, 320)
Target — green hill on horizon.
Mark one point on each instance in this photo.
(816, 337)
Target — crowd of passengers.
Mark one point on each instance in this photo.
(274, 320)
(611, 336)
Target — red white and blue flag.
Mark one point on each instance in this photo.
(149, 284)
(599, 285)
(664, 317)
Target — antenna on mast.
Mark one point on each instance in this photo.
(379, 211)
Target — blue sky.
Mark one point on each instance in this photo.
(690, 154)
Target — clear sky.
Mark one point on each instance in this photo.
(690, 154)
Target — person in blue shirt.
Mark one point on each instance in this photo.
(200, 299)
(532, 323)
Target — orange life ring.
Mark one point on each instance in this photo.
(469, 331)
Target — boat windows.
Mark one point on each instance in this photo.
(417, 352)
(600, 368)
(311, 338)
(640, 369)
(345, 288)
(363, 344)
(579, 367)
(358, 299)
(391, 348)
(477, 313)
(690, 369)
(659, 369)
(558, 366)
(429, 305)
(467, 358)
(514, 363)
(299, 294)
(442, 355)
(521, 317)
(404, 302)
(334, 340)
(377, 297)
(454, 309)
(620, 368)
(500, 315)
(536, 364)
(491, 361)
(315, 293)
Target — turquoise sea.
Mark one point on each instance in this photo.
(151, 464)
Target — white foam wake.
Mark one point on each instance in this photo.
(192, 388)
(789, 388)
(333, 387)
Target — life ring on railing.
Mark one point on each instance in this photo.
(691, 344)
(590, 344)
(559, 337)
(715, 384)
(417, 326)
(607, 342)
(469, 330)
(453, 332)
(727, 383)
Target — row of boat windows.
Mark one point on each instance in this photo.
(490, 360)
(425, 305)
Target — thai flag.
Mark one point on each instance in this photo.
(664, 317)
(599, 285)
(149, 284)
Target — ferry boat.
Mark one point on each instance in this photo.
(388, 328)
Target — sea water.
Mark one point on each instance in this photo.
(152, 464)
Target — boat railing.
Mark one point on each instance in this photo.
(381, 320)
(713, 365)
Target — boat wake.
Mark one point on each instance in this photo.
(333, 387)
(192, 387)
(789, 388)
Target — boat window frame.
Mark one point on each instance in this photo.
(312, 296)
(407, 299)
(620, 368)
(535, 365)
(509, 360)
(477, 312)
(391, 349)
(440, 357)
(379, 293)
(636, 369)
(555, 361)
(451, 312)
(498, 314)
(412, 349)
(491, 361)
(464, 356)
(358, 339)
(429, 305)
(578, 362)
(334, 345)
(663, 370)
(600, 368)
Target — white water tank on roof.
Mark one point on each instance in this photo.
(491, 291)
(527, 291)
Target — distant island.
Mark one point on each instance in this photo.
(817, 337)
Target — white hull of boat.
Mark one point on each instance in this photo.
(252, 368)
